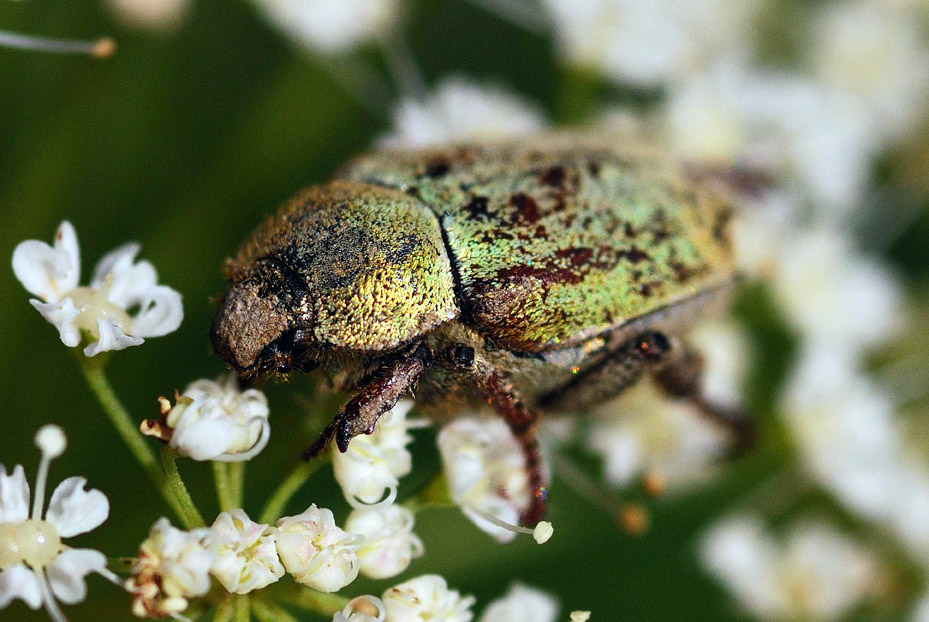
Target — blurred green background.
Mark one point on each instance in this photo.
(183, 142)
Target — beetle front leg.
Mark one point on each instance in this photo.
(522, 423)
(360, 414)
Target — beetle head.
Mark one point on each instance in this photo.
(254, 332)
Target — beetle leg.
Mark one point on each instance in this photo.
(619, 370)
(681, 378)
(360, 414)
(522, 423)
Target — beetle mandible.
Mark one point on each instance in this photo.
(543, 274)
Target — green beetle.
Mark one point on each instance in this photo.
(541, 274)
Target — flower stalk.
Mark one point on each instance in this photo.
(189, 514)
(288, 488)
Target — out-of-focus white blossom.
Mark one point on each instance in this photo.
(876, 52)
(851, 443)
(921, 611)
(157, 15)
(35, 565)
(245, 553)
(368, 472)
(215, 421)
(815, 573)
(652, 43)
(172, 567)
(813, 139)
(316, 552)
(427, 598)
(462, 110)
(833, 294)
(726, 353)
(362, 609)
(332, 26)
(643, 431)
(486, 472)
(101, 310)
(389, 542)
(522, 604)
(580, 616)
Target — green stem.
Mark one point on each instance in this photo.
(236, 473)
(291, 484)
(305, 598)
(189, 513)
(242, 609)
(267, 611)
(226, 610)
(223, 487)
(127, 429)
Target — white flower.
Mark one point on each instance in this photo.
(726, 355)
(155, 15)
(462, 110)
(921, 612)
(651, 43)
(389, 542)
(816, 573)
(362, 609)
(522, 604)
(215, 421)
(316, 552)
(849, 440)
(35, 565)
(644, 431)
(370, 468)
(580, 616)
(486, 473)
(245, 553)
(427, 598)
(331, 26)
(102, 310)
(172, 567)
(833, 294)
(814, 139)
(879, 53)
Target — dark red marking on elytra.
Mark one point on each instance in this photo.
(528, 209)
(555, 177)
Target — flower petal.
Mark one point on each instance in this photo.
(67, 572)
(73, 510)
(20, 582)
(14, 495)
(46, 271)
(111, 338)
(161, 312)
(61, 315)
(119, 262)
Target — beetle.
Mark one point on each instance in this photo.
(543, 274)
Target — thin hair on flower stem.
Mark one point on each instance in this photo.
(99, 48)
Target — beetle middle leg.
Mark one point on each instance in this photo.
(608, 378)
(360, 414)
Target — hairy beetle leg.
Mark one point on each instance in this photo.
(360, 414)
(522, 423)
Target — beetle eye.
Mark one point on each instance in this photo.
(462, 356)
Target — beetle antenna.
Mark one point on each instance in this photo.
(101, 48)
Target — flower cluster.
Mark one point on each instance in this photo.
(36, 566)
(122, 305)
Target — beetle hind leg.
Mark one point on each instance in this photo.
(360, 414)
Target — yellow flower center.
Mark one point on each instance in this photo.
(93, 305)
(33, 542)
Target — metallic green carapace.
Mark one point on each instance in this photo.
(560, 238)
(540, 274)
